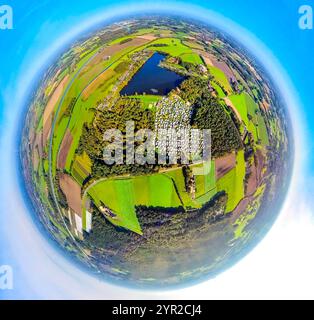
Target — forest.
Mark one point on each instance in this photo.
(208, 113)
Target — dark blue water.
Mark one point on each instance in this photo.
(153, 79)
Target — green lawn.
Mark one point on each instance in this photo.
(119, 40)
(191, 58)
(81, 114)
(205, 184)
(220, 92)
(122, 195)
(176, 48)
(258, 120)
(193, 45)
(148, 100)
(239, 101)
(221, 78)
(247, 106)
(252, 107)
(262, 131)
(178, 179)
(57, 139)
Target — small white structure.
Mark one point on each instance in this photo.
(88, 221)
(78, 223)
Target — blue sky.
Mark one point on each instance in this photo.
(275, 23)
(268, 28)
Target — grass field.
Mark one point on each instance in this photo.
(81, 168)
(122, 195)
(205, 184)
(233, 183)
(176, 48)
(148, 100)
(166, 189)
(193, 45)
(246, 106)
(221, 78)
(262, 131)
(81, 115)
(257, 119)
(220, 92)
(57, 139)
(178, 179)
(239, 102)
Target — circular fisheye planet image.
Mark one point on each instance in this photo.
(148, 212)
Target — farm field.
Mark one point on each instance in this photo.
(90, 91)
(156, 223)
(148, 100)
(219, 90)
(80, 112)
(122, 195)
(175, 48)
(249, 109)
(233, 183)
(221, 78)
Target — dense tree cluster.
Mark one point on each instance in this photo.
(209, 113)
(91, 141)
(162, 227)
(157, 45)
(192, 88)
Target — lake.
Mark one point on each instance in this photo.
(153, 79)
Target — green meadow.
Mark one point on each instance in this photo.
(122, 195)
(176, 48)
(233, 183)
(82, 112)
(220, 77)
(148, 100)
(251, 116)
(218, 88)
